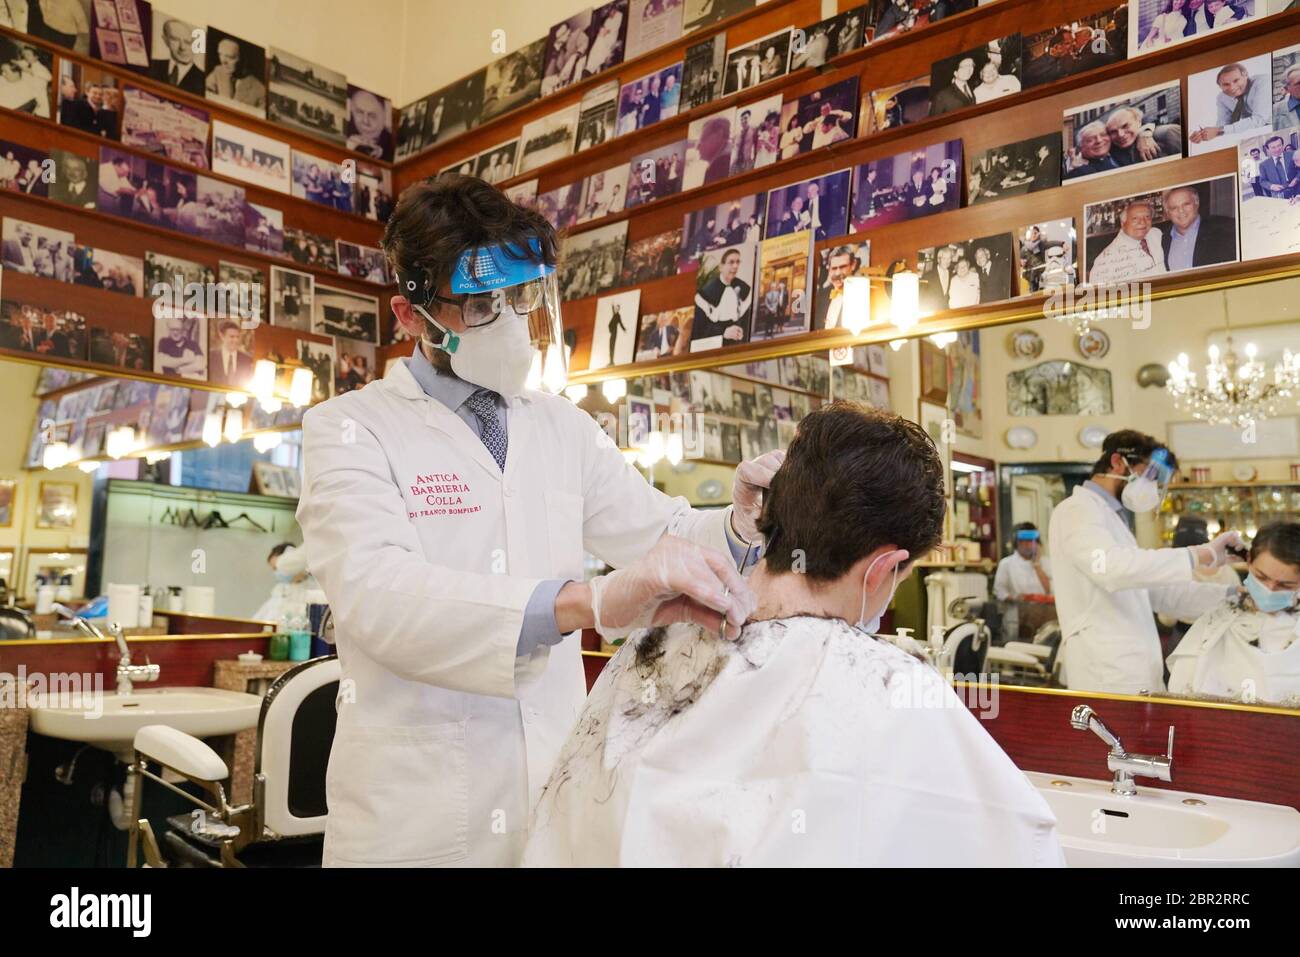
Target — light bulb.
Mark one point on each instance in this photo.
(56, 455)
(265, 441)
(897, 344)
(236, 400)
(855, 314)
(674, 449)
(943, 339)
(212, 429)
(234, 430)
(263, 384)
(300, 388)
(270, 405)
(88, 466)
(120, 442)
(576, 393)
(613, 389)
(906, 309)
(1214, 353)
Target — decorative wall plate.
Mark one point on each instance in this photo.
(1093, 344)
(1091, 436)
(1022, 437)
(1026, 344)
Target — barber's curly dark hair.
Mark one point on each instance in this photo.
(437, 220)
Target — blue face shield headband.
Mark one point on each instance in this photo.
(1027, 535)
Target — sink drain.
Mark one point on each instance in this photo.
(1062, 784)
(1193, 802)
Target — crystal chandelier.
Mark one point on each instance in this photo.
(1232, 391)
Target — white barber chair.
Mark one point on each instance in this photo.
(284, 826)
(1028, 662)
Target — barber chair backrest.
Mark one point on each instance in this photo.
(16, 624)
(294, 737)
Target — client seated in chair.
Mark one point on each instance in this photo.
(1248, 648)
(807, 741)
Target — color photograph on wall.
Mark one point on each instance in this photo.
(906, 186)
(1111, 135)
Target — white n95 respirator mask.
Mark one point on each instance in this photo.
(497, 357)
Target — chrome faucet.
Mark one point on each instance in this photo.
(1126, 766)
(127, 673)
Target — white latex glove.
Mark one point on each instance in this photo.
(675, 581)
(752, 478)
(1215, 554)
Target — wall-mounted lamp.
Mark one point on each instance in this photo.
(56, 455)
(120, 442)
(613, 389)
(576, 393)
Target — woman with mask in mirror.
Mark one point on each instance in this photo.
(1248, 647)
(1108, 589)
(808, 741)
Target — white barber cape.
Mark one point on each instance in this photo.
(805, 743)
(428, 555)
(1107, 592)
(1241, 654)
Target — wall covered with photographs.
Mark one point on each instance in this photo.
(1079, 145)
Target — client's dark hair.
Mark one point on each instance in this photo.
(435, 221)
(279, 550)
(853, 480)
(1132, 444)
(1279, 539)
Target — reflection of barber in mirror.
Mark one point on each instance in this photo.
(1025, 571)
(1108, 589)
(1248, 647)
(292, 582)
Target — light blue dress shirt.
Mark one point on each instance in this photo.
(539, 626)
(1182, 245)
(1258, 107)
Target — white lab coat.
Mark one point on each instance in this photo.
(1107, 591)
(286, 598)
(1234, 653)
(1016, 577)
(805, 743)
(428, 556)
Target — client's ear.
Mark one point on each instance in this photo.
(881, 566)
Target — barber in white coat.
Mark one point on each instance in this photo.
(445, 510)
(1107, 588)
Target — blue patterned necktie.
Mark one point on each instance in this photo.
(483, 403)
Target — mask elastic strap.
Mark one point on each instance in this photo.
(450, 341)
(862, 609)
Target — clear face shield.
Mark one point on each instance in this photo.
(1157, 470)
(503, 295)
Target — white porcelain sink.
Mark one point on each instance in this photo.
(110, 720)
(1157, 828)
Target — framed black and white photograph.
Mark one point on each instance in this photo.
(1286, 88)
(598, 116)
(370, 124)
(292, 296)
(1142, 235)
(340, 312)
(513, 80)
(724, 297)
(310, 249)
(148, 191)
(236, 73)
(567, 44)
(702, 71)
(985, 73)
(708, 149)
(372, 193)
(250, 157)
(645, 101)
(813, 46)
(172, 57)
(1110, 135)
(181, 346)
(608, 34)
(603, 194)
(361, 262)
(756, 134)
(165, 128)
(970, 273)
(834, 265)
(731, 223)
(415, 130)
(523, 194)
(1079, 46)
(701, 13)
(497, 163)
(306, 96)
(1228, 103)
(322, 181)
(90, 100)
(214, 213)
(263, 229)
(26, 74)
(251, 286)
(1158, 24)
(547, 139)
(907, 185)
(1270, 194)
(900, 104)
(458, 107)
(230, 354)
(655, 174)
(355, 365)
(1014, 169)
(651, 24)
(613, 336)
(107, 270)
(319, 358)
(76, 179)
(1046, 256)
(35, 250)
(820, 118)
(170, 270)
(764, 59)
(591, 261)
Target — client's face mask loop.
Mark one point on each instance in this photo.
(873, 626)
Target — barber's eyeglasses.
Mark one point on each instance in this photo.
(482, 308)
